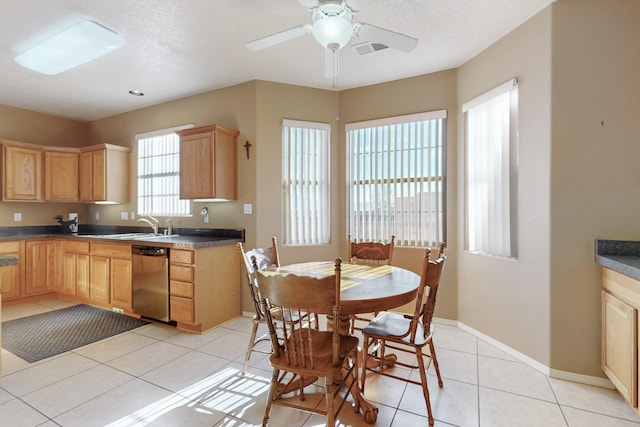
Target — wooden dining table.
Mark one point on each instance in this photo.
(363, 289)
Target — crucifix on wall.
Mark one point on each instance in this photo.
(247, 145)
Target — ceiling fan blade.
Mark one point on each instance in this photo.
(274, 39)
(389, 38)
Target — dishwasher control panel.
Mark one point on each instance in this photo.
(149, 250)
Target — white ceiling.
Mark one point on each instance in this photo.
(176, 48)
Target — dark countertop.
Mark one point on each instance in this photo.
(622, 256)
(184, 238)
(6, 260)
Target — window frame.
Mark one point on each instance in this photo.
(493, 244)
(155, 134)
(435, 145)
(316, 230)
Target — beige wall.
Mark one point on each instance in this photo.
(232, 107)
(595, 163)
(506, 299)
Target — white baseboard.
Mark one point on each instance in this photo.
(540, 367)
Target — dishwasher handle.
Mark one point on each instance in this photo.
(149, 251)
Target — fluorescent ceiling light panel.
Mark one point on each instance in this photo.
(81, 43)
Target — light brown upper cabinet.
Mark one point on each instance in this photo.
(61, 174)
(209, 163)
(21, 171)
(104, 173)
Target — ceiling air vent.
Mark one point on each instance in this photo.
(368, 47)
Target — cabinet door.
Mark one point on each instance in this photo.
(196, 166)
(209, 163)
(121, 289)
(61, 176)
(99, 186)
(10, 276)
(99, 281)
(619, 345)
(85, 181)
(22, 173)
(40, 267)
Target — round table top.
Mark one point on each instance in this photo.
(364, 288)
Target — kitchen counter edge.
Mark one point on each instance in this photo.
(622, 256)
(175, 242)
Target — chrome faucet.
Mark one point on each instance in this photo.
(153, 225)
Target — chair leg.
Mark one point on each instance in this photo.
(272, 393)
(365, 355)
(252, 342)
(330, 398)
(425, 388)
(434, 359)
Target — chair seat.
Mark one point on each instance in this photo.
(396, 327)
(321, 349)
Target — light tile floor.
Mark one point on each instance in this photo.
(156, 375)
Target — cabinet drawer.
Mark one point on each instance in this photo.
(180, 256)
(111, 250)
(75, 247)
(8, 247)
(181, 289)
(181, 273)
(181, 309)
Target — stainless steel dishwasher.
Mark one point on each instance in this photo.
(151, 282)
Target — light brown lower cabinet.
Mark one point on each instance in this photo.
(110, 279)
(11, 276)
(75, 269)
(620, 304)
(120, 284)
(203, 285)
(40, 267)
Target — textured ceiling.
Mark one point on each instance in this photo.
(176, 48)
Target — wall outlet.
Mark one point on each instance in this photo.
(118, 310)
(248, 208)
(97, 216)
(133, 215)
(17, 217)
(124, 216)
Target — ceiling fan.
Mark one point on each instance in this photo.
(332, 28)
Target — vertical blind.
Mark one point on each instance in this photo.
(305, 182)
(396, 179)
(491, 171)
(159, 174)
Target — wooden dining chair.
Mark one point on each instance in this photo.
(303, 353)
(264, 258)
(407, 333)
(371, 253)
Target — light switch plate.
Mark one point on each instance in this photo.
(248, 208)
(17, 216)
(124, 216)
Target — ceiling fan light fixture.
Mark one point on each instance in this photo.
(332, 25)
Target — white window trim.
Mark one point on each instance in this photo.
(153, 134)
(509, 247)
(314, 232)
(394, 121)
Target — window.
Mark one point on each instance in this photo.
(491, 171)
(159, 174)
(305, 182)
(396, 179)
